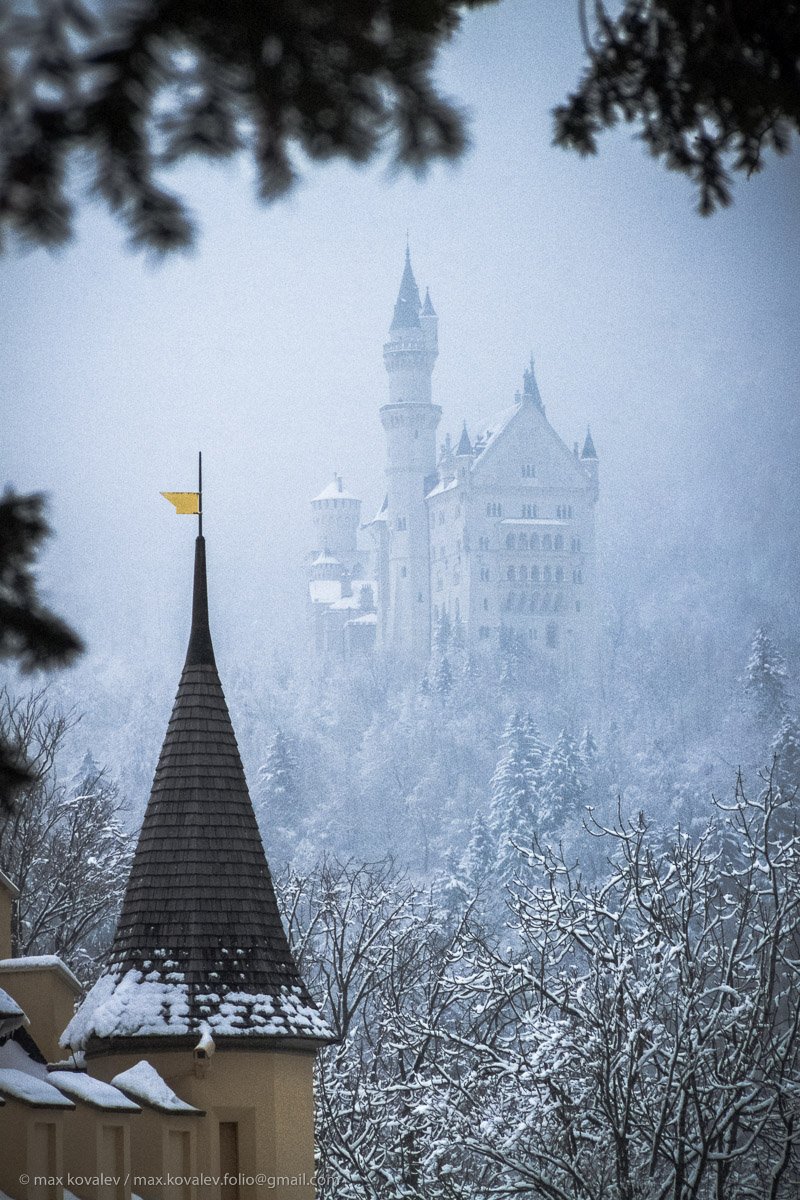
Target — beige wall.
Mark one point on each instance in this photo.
(31, 1144)
(47, 996)
(268, 1095)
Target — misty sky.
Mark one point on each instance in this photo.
(675, 337)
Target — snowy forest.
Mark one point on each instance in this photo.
(561, 960)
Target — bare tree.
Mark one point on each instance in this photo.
(64, 846)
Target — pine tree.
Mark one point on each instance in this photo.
(479, 858)
(536, 747)
(513, 795)
(766, 678)
(786, 752)
(563, 781)
(442, 677)
(279, 793)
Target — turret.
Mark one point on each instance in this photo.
(463, 456)
(530, 388)
(591, 463)
(410, 420)
(336, 515)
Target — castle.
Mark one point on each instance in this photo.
(494, 537)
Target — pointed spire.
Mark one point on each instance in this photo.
(199, 944)
(588, 446)
(406, 309)
(530, 388)
(464, 444)
(200, 651)
(427, 308)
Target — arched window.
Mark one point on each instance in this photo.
(552, 635)
(559, 542)
(523, 574)
(534, 541)
(511, 574)
(534, 574)
(522, 542)
(547, 542)
(559, 574)
(510, 542)
(547, 575)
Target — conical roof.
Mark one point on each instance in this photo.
(199, 944)
(406, 309)
(588, 447)
(464, 444)
(427, 308)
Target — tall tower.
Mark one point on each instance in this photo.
(410, 420)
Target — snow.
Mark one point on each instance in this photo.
(80, 1086)
(334, 492)
(325, 591)
(11, 1015)
(143, 1084)
(30, 1089)
(38, 962)
(133, 1005)
(129, 1006)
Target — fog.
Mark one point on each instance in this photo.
(673, 336)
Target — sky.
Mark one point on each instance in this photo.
(674, 337)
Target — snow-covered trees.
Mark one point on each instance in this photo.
(633, 1039)
(563, 781)
(766, 678)
(63, 845)
(514, 800)
(279, 795)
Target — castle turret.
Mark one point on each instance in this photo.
(336, 515)
(200, 960)
(410, 420)
(590, 462)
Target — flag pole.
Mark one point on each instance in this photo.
(200, 493)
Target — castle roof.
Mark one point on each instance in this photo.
(199, 945)
(588, 447)
(464, 444)
(335, 491)
(427, 308)
(406, 309)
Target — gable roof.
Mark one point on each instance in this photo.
(406, 309)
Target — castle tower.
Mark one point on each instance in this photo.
(410, 420)
(336, 515)
(201, 980)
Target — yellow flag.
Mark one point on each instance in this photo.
(186, 503)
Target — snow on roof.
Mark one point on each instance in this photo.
(11, 1015)
(143, 1084)
(367, 619)
(30, 1089)
(325, 591)
(80, 1086)
(442, 487)
(335, 491)
(40, 962)
(129, 1005)
(325, 559)
(133, 1005)
(491, 432)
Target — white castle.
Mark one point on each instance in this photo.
(495, 537)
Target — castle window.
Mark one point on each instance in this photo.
(458, 609)
(532, 607)
(552, 635)
(523, 574)
(483, 631)
(559, 542)
(522, 542)
(547, 574)
(403, 572)
(558, 602)
(401, 523)
(534, 574)
(528, 471)
(547, 542)
(485, 604)
(419, 597)
(483, 543)
(511, 574)
(438, 583)
(441, 516)
(569, 511)
(510, 542)
(510, 601)
(521, 602)
(484, 574)
(529, 510)
(534, 541)
(577, 606)
(559, 574)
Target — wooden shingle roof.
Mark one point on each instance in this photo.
(199, 944)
